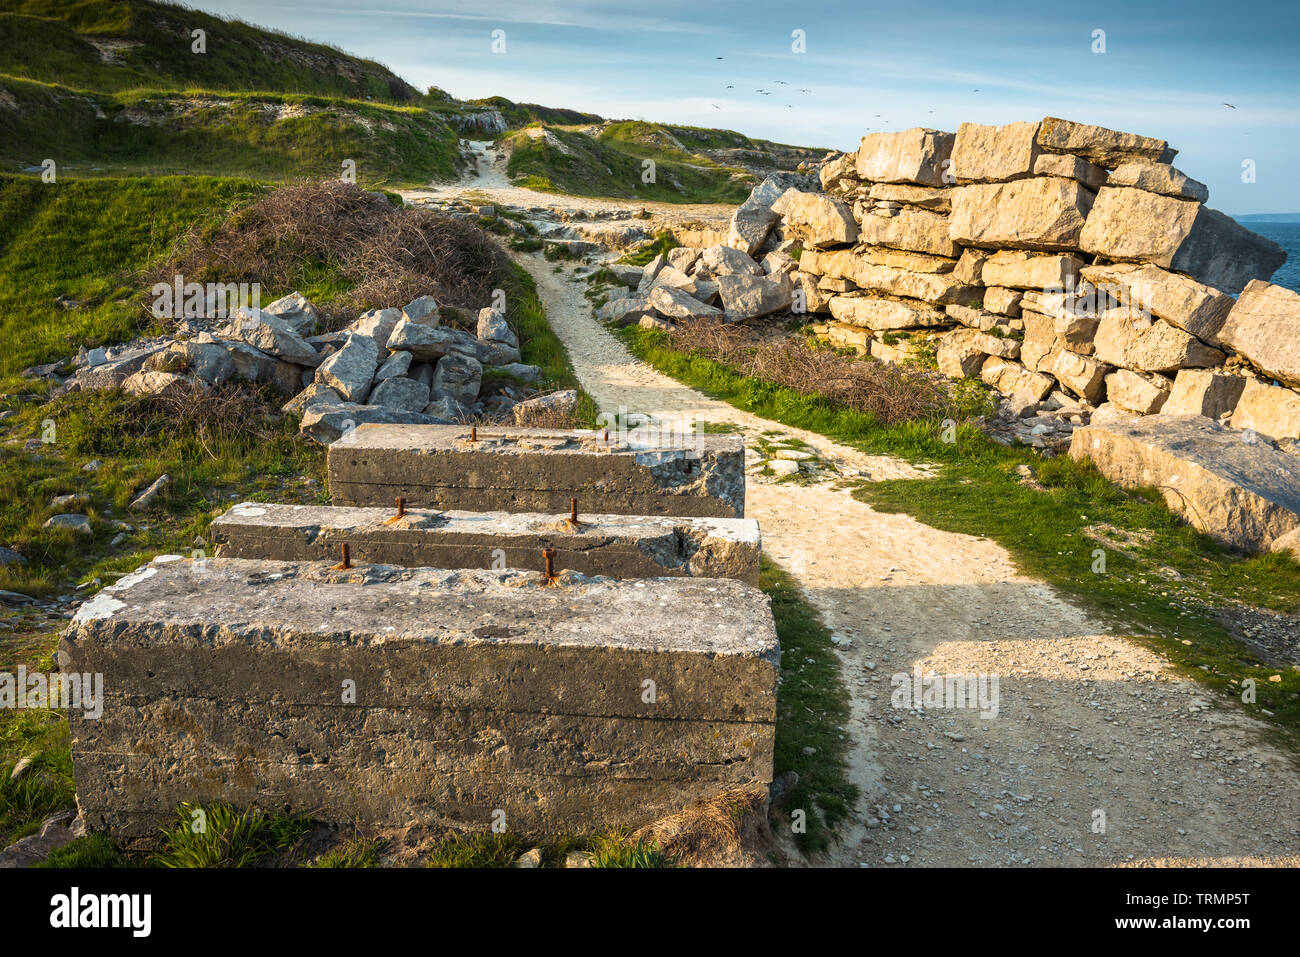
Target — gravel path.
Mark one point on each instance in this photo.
(1089, 727)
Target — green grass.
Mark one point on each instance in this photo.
(540, 346)
(354, 852)
(220, 836)
(477, 850)
(1165, 589)
(91, 851)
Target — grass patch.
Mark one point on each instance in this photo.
(477, 850)
(354, 852)
(221, 836)
(91, 851)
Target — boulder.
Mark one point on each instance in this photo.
(649, 272)
(934, 198)
(77, 524)
(1268, 409)
(1042, 213)
(918, 230)
(623, 312)
(559, 403)
(820, 219)
(397, 364)
(959, 356)
(1126, 339)
(841, 171)
(683, 258)
(881, 315)
(492, 327)
(147, 382)
(1003, 301)
(1204, 392)
(675, 304)
(1071, 167)
(755, 217)
(1158, 178)
(1263, 326)
(1100, 146)
(1183, 302)
(1017, 269)
(458, 376)
(1245, 494)
(351, 370)
(1039, 344)
(748, 297)
(326, 423)
(970, 266)
(842, 262)
(941, 288)
(994, 154)
(1136, 393)
(270, 335)
(1080, 375)
(209, 360)
(424, 309)
(399, 392)
(377, 324)
(430, 343)
(1012, 379)
(314, 394)
(718, 261)
(912, 156)
(297, 311)
(1132, 225)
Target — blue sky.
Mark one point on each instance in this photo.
(1167, 68)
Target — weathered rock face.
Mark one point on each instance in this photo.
(623, 312)
(1264, 327)
(1133, 225)
(1127, 340)
(351, 370)
(1044, 213)
(918, 230)
(994, 154)
(297, 311)
(754, 219)
(441, 467)
(1011, 378)
(1081, 375)
(1026, 270)
(1270, 410)
(1070, 167)
(492, 327)
(1159, 178)
(718, 261)
(1186, 303)
(1143, 395)
(458, 376)
(959, 354)
(937, 199)
(881, 315)
(748, 297)
(678, 304)
(822, 220)
(1204, 392)
(273, 336)
(615, 546)
(401, 393)
(1100, 146)
(430, 343)
(1244, 494)
(912, 156)
(376, 324)
(496, 689)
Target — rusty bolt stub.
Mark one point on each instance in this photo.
(347, 559)
(548, 555)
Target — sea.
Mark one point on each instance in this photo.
(1286, 235)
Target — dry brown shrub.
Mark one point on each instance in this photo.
(387, 255)
(891, 393)
(730, 830)
(223, 413)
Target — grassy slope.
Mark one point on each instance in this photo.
(1164, 587)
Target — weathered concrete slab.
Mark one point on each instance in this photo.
(395, 696)
(616, 546)
(538, 470)
(1244, 493)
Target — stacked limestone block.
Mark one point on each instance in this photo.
(1068, 266)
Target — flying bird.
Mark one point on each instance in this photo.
(730, 86)
(802, 90)
(782, 82)
(715, 106)
(1229, 106)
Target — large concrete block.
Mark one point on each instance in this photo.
(616, 546)
(388, 696)
(539, 470)
(1244, 493)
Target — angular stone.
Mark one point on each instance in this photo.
(941, 288)
(458, 376)
(1080, 375)
(77, 524)
(1016, 269)
(273, 336)
(1012, 379)
(1132, 225)
(649, 272)
(495, 689)
(1144, 395)
(560, 403)
(397, 364)
(314, 394)
(918, 230)
(399, 392)
(881, 315)
(1042, 213)
(839, 172)
(538, 470)
(1204, 392)
(1005, 302)
(844, 336)
(615, 546)
(676, 304)
(351, 370)
(1126, 339)
(424, 309)
(755, 217)
(1191, 306)
(1158, 178)
(683, 258)
(749, 297)
(492, 327)
(937, 199)
(970, 267)
(1264, 327)
(146, 382)
(297, 311)
(994, 154)
(1270, 410)
(430, 343)
(376, 324)
(325, 422)
(959, 356)
(821, 220)
(912, 156)
(718, 261)
(1071, 167)
(1100, 146)
(1039, 345)
(623, 312)
(1242, 493)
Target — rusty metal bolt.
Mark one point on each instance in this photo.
(573, 510)
(473, 433)
(347, 559)
(401, 506)
(548, 554)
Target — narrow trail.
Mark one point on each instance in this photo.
(1099, 753)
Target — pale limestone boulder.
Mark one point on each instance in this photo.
(1071, 167)
(623, 312)
(1204, 392)
(912, 156)
(939, 288)
(881, 315)
(351, 371)
(994, 154)
(1136, 393)
(1100, 146)
(297, 311)
(1179, 300)
(683, 258)
(1158, 178)
(898, 258)
(400, 393)
(458, 376)
(808, 294)
(720, 260)
(1289, 542)
(970, 266)
(1000, 346)
(754, 219)
(1133, 225)
(1020, 269)
(1039, 344)
(270, 335)
(849, 337)
(934, 198)
(378, 324)
(749, 297)
(422, 309)
(1075, 332)
(1003, 301)
(676, 304)
(1264, 327)
(1080, 375)
(959, 356)
(1270, 410)
(1128, 340)
(1012, 379)
(918, 230)
(1042, 213)
(149, 382)
(820, 219)
(843, 170)
(1245, 494)
(648, 273)
(493, 327)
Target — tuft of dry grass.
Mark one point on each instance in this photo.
(378, 254)
(891, 393)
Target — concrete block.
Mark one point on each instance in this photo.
(616, 546)
(538, 470)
